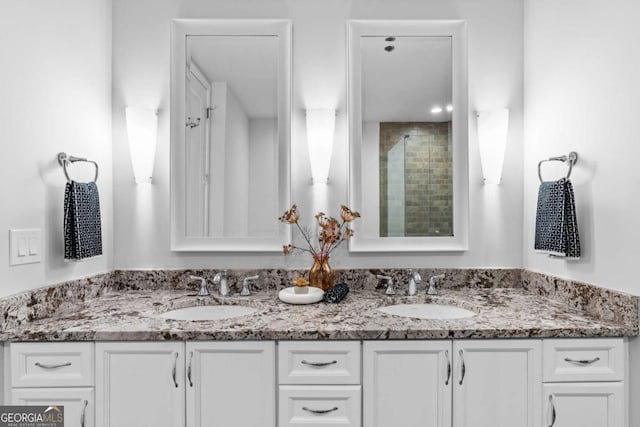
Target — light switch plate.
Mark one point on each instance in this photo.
(25, 246)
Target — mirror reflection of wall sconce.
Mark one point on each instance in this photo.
(142, 130)
(493, 126)
(320, 131)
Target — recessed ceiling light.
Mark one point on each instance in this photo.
(390, 39)
(449, 108)
(389, 48)
(436, 110)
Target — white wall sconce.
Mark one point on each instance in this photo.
(493, 126)
(142, 131)
(320, 130)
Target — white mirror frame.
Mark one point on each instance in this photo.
(457, 30)
(181, 28)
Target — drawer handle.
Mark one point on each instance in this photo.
(43, 366)
(319, 411)
(319, 364)
(582, 362)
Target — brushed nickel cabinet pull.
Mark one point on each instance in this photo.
(43, 366)
(463, 368)
(189, 369)
(319, 364)
(552, 407)
(582, 361)
(84, 410)
(319, 411)
(173, 371)
(446, 354)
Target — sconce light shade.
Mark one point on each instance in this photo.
(493, 126)
(320, 129)
(142, 130)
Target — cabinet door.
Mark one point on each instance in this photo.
(78, 402)
(231, 384)
(407, 383)
(497, 383)
(140, 384)
(584, 405)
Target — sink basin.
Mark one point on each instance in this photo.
(427, 311)
(208, 312)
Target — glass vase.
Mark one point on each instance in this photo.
(321, 274)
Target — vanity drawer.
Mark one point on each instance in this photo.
(319, 406)
(51, 364)
(584, 359)
(314, 362)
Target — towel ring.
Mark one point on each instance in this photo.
(64, 161)
(570, 159)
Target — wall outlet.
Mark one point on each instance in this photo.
(25, 246)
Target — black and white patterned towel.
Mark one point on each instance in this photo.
(82, 224)
(556, 224)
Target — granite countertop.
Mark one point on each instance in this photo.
(134, 315)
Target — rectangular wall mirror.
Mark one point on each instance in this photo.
(408, 135)
(230, 134)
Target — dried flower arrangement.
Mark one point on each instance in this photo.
(332, 234)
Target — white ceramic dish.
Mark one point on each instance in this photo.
(289, 296)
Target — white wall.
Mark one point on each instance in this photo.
(141, 77)
(55, 95)
(581, 86)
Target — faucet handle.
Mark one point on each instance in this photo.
(204, 292)
(416, 276)
(390, 288)
(245, 285)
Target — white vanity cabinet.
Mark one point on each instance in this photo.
(584, 383)
(470, 383)
(377, 383)
(140, 384)
(54, 374)
(173, 384)
(407, 383)
(231, 384)
(497, 383)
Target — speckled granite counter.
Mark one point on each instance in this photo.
(100, 309)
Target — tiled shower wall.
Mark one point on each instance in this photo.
(427, 191)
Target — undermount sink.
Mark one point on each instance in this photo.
(208, 312)
(427, 311)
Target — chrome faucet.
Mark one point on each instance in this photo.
(245, 285)
(203, 292)
(432, 284)
(221, 279)
(390, 289)
(414, 281)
